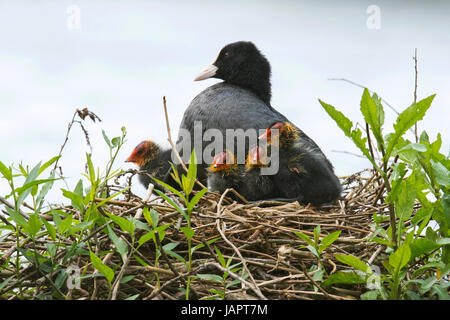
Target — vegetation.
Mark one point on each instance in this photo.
(389, 238)
(418, 264)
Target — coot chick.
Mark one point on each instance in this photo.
(224, 173)
(305, 174)
(154, 161)
(256, 186)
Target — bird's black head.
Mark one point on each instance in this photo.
(242, 64)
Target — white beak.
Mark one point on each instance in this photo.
(207, 73)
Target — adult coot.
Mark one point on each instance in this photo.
(304, 174)
(241, 101)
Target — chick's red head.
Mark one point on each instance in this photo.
(143, 152)
(273, 130)
(223, 161)
(257, 157)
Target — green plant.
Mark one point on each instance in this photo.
(318, 247)
(186, 183)
(413, 174)
(222, 280)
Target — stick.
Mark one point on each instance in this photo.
(174, 149)
(253, 285)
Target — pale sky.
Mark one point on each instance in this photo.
(126, 55)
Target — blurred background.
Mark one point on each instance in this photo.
(119, 58)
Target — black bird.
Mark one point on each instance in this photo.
(304, 172)
(255, 185)
(154, 161)
(241, 101)
(224, 173)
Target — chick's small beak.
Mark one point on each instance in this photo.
(207, 73)
(131, 158)
(264, 136)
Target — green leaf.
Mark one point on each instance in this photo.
(64, 225)
(175, 175)
(441, 292)
(170, 188)
(441, 173)
(406, 120)
(79, 188)
(146, 237)
(48, 164)
(151, 216)
(370, 295)
(17, 217)
(313, 250)
(346, 126)
(220, 257)
(413, 146)
(50, 229)
(304, 238)
(212, 277)
(105, 137)
(51, 248)
(128, 278)
(172, 203)
(188, 232)
(5, 171)
(400, 257)
(192, 173)
(328, 240)
(29, 182)
(343, 277)
(422, 246)
(77, 200)
(44, 191)
(353, 262)
(34, 225)
(90, 169)
(119, 243)
(151, 234)
(195, 199)
(316, 236)
(124, 224)
(380, 109)
(372, 114)
(102, 268)
(406, 198)
(6, 281)
(421, 214)
(110, 197)
(168, 249)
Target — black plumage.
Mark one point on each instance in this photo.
(254, 184)
(304, 174)
(224, 173)
(242, 101)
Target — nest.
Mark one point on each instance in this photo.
(259, 237)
